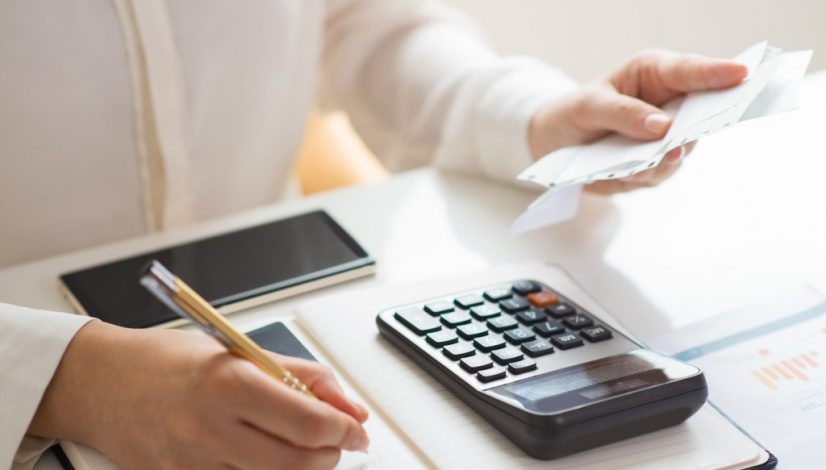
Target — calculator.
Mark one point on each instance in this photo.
(549, 375)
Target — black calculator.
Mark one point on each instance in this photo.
(548, 374)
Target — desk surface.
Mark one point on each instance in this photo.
(731, 226)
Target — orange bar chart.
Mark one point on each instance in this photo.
(797, 368)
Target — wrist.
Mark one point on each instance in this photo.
(70, 407)
(538, 139)
(551, 129)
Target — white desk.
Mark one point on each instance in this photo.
(728, 228)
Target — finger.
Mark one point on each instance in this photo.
(689, 147)
(645, 179)
(660, 173)
(616, 112)
(611, 187)
(685, 73)
(250, 448)
(675, 154)
(321, 381)
(283, 412)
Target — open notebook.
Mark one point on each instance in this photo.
(444, 433)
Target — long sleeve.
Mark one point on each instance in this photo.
(421, 86)
(32, 343)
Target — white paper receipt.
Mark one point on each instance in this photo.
(771, 86)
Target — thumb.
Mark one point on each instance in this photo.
(612, 111)
(687, 73)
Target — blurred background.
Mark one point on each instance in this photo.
(586, 38)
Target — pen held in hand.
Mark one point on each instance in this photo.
(186, 303)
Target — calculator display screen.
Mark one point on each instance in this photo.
(597, 380)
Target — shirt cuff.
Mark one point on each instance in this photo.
(29, 451)
(32, 343)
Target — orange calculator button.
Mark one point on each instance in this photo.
(543, 298)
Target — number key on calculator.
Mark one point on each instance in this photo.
(492, 318)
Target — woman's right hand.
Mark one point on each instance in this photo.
(177, 399)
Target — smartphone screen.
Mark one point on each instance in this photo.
(224, 269)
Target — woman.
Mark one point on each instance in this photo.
(120, 117)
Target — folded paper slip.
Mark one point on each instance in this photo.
(771, 87)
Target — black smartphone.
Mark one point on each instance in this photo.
(232, 271)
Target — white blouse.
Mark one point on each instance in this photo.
(119, 117)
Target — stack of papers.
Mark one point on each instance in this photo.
(771, 86)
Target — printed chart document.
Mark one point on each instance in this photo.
(446, 433)
(771, 87)
(766, 370)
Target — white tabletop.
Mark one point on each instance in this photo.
(742, 219)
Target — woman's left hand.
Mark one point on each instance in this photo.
(627, 102)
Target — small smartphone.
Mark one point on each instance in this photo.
(232, 271)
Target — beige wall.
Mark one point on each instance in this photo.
(587, 37)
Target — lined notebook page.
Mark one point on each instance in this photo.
(449, 433)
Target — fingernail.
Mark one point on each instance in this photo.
(674, 155)
(359, 442)
(656, 123)
(362, 410)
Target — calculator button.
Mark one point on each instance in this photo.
(520, 367)
(439, 307)
(470, 300)
(537, 348)
(455, 319)
(506, 355)
(531, 316)
(476, 363)
(514, 305)
(566, 341)
(560, 310)
(489, 375)
(417, 320)
(543, 298)
(577, 321)
(474, 330)
(483, 312)
(549, 328)
(458, 351)
(441, 338)
(596, 333)
(519, 335)
(526, 287)
(495, 295)
(489, 343)
(499, 324)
